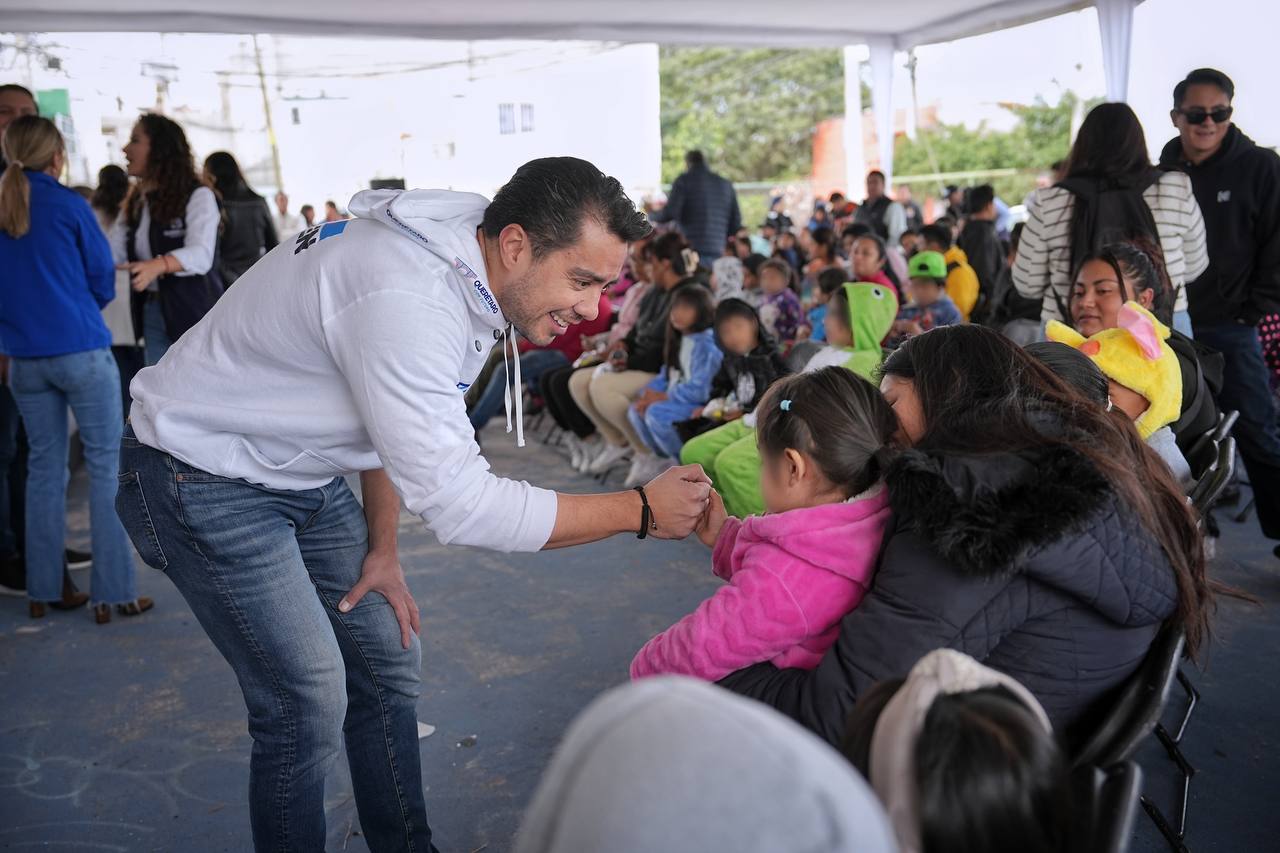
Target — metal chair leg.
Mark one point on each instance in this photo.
(1193, 698)
(1173, 839)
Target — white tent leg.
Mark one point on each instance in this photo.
(855, 159)
(882, 104)
(1115, 23)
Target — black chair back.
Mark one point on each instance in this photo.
(1106, 803)
(1134, 710)
(1215, 481)
(1203, 455)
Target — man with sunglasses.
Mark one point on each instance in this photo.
(1237, 185)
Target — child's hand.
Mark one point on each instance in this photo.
(696, 413)
(803, 333)
(713, 518)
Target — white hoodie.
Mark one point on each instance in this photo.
(349, 349)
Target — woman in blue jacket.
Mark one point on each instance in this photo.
(58, 275)
(691, 358)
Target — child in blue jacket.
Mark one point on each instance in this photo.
(691, 358)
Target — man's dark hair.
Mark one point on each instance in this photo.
(938, 235)
(855, 230)
(1203, 76)
(551, 197)
(980, 197)
(14, 87)
(305, 208)
(876, 173)
(694, 158)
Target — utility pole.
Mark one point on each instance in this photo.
(266, 111)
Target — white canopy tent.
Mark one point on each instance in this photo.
(884, 26)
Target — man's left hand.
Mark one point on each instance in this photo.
(381, 573)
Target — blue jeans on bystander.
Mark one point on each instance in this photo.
(89, 383)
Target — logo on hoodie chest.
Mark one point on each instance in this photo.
(470, 277)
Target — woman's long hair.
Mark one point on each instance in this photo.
(113, 186)
(1110, 145)
(30, 142)
(981, 394)
(228, 180)
(170, 175)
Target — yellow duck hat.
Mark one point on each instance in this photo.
(1136, 356)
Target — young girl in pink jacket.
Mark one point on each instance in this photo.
(794, 572)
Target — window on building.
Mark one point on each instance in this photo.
(526, 118)
(506, 118)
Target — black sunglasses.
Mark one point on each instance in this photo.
(1197, 116)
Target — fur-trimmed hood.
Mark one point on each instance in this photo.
(985, 514)
(1045, 512)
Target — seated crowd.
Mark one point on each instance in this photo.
(950, 505)
(981, 550)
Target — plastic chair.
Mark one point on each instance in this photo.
(1107, 803)
(1215, 480)
(1204, 452)
(1134, 712)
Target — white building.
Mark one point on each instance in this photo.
(460, 115)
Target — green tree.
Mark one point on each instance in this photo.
(1041, 136)
(752, 112)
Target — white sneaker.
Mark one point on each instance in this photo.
(588, 450)
(640, 473)
(574, 446)
(611, 455)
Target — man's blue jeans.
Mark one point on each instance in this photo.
(533, 364)
(263, 570)
(89, 384)
(1247, 389)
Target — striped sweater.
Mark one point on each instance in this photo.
(1042, 269)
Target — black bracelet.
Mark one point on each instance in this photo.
(646, 514)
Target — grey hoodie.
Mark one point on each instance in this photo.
(674, 764)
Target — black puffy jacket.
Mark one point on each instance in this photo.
(1026, 561)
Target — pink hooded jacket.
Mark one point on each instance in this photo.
(792, 577)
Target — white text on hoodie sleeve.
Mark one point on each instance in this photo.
(400, 352)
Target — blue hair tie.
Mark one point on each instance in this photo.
(785, 405)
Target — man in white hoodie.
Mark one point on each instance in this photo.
(348, 350)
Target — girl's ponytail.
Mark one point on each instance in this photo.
(15, 201)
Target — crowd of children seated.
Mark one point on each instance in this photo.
(762, 368)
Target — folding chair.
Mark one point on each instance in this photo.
(1135, 712)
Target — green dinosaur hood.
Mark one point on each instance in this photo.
(872, 310)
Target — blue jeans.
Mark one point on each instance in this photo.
(263, 570)
(155, 339)
(657, 426)
(532, 365)
(89, 383)
(1246, 388)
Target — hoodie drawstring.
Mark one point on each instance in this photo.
(508, 337)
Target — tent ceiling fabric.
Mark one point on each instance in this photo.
(900, 23)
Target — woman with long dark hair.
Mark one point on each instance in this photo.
(1033, 530)
(1111, 193)
(248, 229)
(168, 236)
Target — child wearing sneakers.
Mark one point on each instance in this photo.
(795, 572)
(691, 357)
